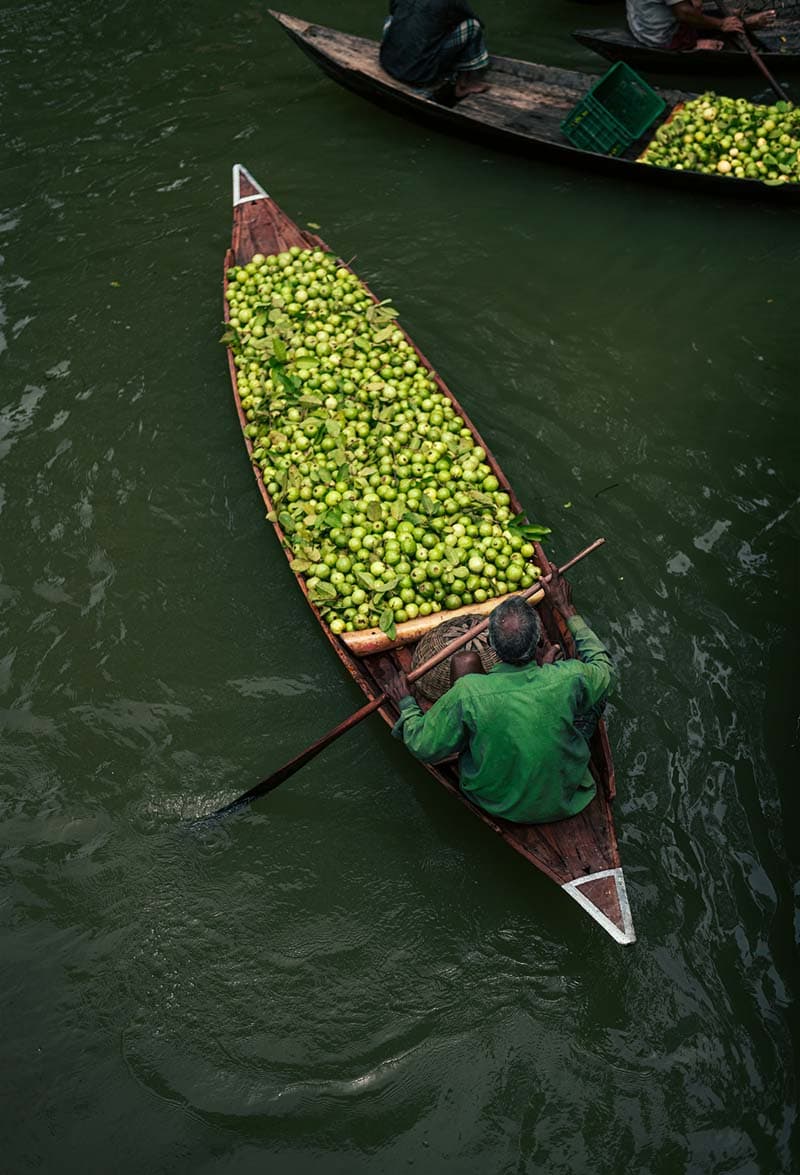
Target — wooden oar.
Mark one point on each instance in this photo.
(288, 769)
(744, 42)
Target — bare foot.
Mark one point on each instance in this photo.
(469, 84)
(710, 44)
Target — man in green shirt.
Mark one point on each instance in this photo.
(522, 728)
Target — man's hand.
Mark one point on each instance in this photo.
(553, 654)
(759, 20)
(559, 592)
(398, 687)
(731, 24)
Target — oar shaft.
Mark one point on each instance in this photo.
(283, 773)
(745, 43)
(288, 769)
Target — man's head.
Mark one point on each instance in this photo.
(514, 631)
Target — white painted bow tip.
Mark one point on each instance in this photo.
(245, 188)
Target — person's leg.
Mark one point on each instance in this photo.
(463, 663)
(465, 53)
(687, 39)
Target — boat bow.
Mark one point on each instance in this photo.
(245, 188)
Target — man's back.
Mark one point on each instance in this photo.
(412, 44)
(522, 755)
(652, 21)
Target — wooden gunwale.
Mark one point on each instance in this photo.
(619, 45)
(526, 121)
(572, 853)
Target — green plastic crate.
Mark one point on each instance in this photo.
(615, 113)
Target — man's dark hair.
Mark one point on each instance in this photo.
(514, 631)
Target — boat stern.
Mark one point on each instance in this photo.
(604, 897)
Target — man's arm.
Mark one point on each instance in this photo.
(689, 12)
(432, 736)
(598, 674)
(598, 668)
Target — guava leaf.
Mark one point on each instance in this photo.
(298, 566)
(386, 623)
(286, 520)
(481, 498)
(382, 586)
(374, 512)
(322, 591)
(333, 427)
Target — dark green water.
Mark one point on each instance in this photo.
(356, 977)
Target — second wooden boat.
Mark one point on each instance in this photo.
(778, 47)
(523, 111)
(579, 854)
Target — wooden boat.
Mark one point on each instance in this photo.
(778, 46)
(579, 854)
(523, 110)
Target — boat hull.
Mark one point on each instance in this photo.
(619, 45)
(580, 854)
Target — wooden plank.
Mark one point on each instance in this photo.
(373, 640)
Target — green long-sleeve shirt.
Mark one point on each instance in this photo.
(522, 757)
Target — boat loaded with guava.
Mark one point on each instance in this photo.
(389, 505)
(533, 109)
